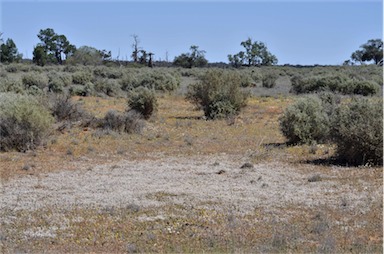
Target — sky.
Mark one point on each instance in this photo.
(297, 32)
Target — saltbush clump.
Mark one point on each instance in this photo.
(269, 80)
(35, 79)
(24, 123)
(81, 77)
(108, 87)
(128, 122)
(218, 94)
(305, 122)
(142, 100)
(11, 85)
(336, 83)
(64, 109)
(107, 72)
(357, 130)
(160, 81)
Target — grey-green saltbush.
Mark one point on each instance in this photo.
(336, 83)
(218, 94)
(306, 121)
(357, 130)
(11, 85)
(35, 79)
(269, 80)
(129, 122)
(110, 87)
(107, 72)
(24, 123)
(81, 77)
(142, 100)
(160, 81)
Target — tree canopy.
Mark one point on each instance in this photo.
(89, 56)
(194, 59)
(54, 46)
(9, 52)
(372, 50)
(256, 53)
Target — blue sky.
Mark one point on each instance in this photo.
(297, 32)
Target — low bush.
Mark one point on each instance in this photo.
(107, 72)
(336, 83)
(35, 79)
(128, 82)
(357, 130)
(24, 123)
(142, 100)
(305, 122)
(160, 81)
(64, 109)
(269, 80)
(218, 94)
(82, 77)
(363, 87)
(129, 122)
(108, 87)
(11, 85)
(82, 90)
(58, 81)
(113, 121)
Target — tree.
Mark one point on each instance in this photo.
(256, 53)
(135, 47)
(372, 50)
(87, 56)
(40, 55)
(194, 59)
(9, 52)
(55, 45)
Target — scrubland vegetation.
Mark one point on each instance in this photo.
(323, 122)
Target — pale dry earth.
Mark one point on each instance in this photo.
(216, 181)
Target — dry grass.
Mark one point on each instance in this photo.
(179, 130)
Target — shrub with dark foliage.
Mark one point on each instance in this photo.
(357, 130)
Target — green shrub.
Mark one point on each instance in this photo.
(24, 123)
(336, 83)
(218, 94)
(35, 79)
(128, 82)
(357, 130)
(305, 122)
(12, 68)
(11, 85)
(109, 87)
(160, 81)
(143, 100)
(80, 90)
(246, 79)
(107, 72)
(269, 80)
(363, 87)
(81, 77)
(58, 81)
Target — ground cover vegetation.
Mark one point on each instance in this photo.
(75, 108)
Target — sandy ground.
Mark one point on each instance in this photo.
(216, 181)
